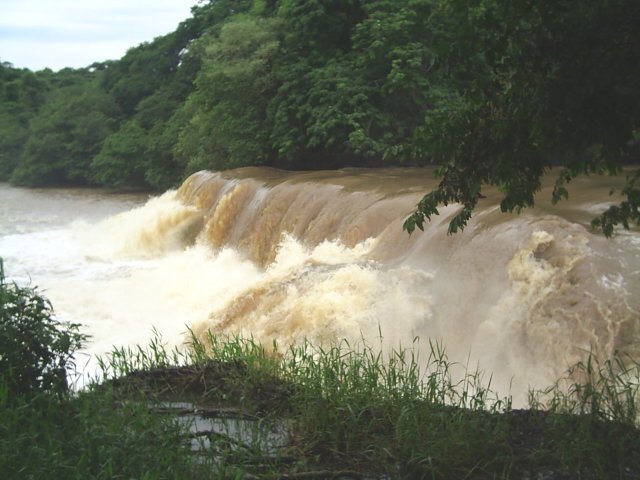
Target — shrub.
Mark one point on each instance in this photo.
(36, 350)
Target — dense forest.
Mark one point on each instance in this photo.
(492, 91)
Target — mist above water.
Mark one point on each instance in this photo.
(322, 256)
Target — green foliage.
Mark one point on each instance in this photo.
(626, 212)
(593, 394)
(522, 87)
(118, 164)
(228, 126)
(493, 92)
(319, 29)
(22, 93)
(67, 132)
(392, 52)
(149, 84)
(313, 113)
(346, 409)
(46, 431)
(353, 408)
(13, 135)
(91, 435)
(353, 99)
(142, 71)
(603, 389)
(312, 107)
(36, 350)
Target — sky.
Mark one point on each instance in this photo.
(37, 34)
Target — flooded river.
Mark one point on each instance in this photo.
(322, 256)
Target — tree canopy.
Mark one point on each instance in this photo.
(526, 86)
(492, 92)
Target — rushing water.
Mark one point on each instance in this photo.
(322, 255)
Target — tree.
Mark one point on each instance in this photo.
(152, 83)
(319, 92)
(119, 162)
(22, 93)
(65, 135)
(354, 78)
(393, 60)
(524, 86)
(229, 126)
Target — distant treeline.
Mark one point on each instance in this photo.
(510, 85)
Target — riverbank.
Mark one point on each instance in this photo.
(343, 411)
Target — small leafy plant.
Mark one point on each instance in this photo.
(36, 350)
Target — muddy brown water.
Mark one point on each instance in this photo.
(322, 256)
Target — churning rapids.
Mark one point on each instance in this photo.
(322, 256)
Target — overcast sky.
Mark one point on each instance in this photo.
(36, 34)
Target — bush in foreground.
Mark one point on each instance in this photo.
(36, 350)
(49, 432)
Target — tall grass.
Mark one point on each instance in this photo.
(397, 414)
(349, 408)
(604, 390)
(593, 417)
(88, 436)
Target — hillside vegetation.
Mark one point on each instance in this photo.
(493, 91)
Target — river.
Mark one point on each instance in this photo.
(322, 256)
